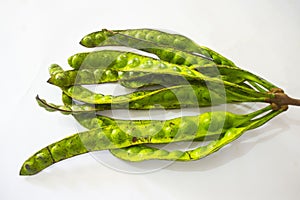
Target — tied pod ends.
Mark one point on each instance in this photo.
(175, 72)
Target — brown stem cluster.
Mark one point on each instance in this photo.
(281, 100)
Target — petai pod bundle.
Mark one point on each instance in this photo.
(186, 75)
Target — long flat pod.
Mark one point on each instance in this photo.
(89, 76)
(151, 40)
(130, 79)
(173, 48)
(127, 61)
(94, 120)
(142, 152)
(149, 65)
(185, 95)
(112, 137)
(277, 100)
(176, 41)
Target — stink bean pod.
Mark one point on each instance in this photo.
(149, 65)
(113, 137)
(127, 61)
(143, 152)
(173, 48)
(203, 78)
(149, 39)
(107, 59)
(181, 96)
(176, 41)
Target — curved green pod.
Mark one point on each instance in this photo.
(167, 53)
(111, 137)
(173, 48)
(176, 41)
(135, 63)
(127, 61)
(130, 79)
(184, 96)
(88, 76)
(142, 152)
(94, 120)
(151, 40)
(131, 62)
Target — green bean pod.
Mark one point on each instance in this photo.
(167, 53)
(111, 137)
(94, 120)
(127, 61)
(184, 96)
(131, 62)
(142, 152)
(151, 40)
(176, 41)
(62, 78)
(172, 48)
(130, 79)
(90, 76)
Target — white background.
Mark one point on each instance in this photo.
(259, 35)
